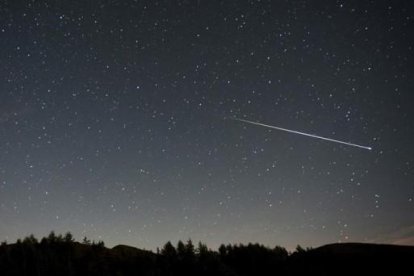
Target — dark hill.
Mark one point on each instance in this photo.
(57, 255)
(130, 251)
(353, 259)
(365, 250)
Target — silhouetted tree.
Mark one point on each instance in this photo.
(98, 244)
(189, 249)
(169, 250)
(300, 249)
(180, 248)
(86, 241)
(281, 253)
(30, 240)
(59, 238)
(202, 249)
(222, 250)
(68, 238)
(52, 237)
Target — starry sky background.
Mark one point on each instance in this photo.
(113, 121)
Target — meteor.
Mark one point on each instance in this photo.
(304, 134)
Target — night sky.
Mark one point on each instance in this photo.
(117, 121)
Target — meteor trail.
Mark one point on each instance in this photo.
(304, 134)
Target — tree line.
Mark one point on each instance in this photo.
(63, 255)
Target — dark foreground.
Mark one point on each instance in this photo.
(61, 255)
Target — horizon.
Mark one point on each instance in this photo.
(61, 237)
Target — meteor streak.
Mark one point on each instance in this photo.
(304, 134)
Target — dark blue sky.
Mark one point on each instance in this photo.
(113, 121)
